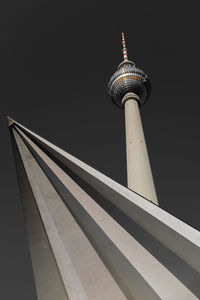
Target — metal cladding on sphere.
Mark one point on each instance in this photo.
(128, 79)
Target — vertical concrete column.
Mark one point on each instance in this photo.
(139, 173)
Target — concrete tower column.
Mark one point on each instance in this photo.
(139, 175)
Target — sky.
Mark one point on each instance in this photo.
(58, 57)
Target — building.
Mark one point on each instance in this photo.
(129, 88)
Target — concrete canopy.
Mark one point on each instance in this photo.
(91, 238)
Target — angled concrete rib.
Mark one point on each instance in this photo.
(80, 267)
(147, 253)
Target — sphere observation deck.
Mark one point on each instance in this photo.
(128, 79)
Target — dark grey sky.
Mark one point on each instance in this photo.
(61, 55)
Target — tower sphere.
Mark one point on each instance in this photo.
(127, 79)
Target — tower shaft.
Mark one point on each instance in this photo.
(139, 175)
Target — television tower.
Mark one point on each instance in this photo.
(129, 88)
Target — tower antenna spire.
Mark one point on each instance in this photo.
(124, 47)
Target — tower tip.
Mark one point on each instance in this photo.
(124, 50)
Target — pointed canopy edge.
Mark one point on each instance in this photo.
(10, 121)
